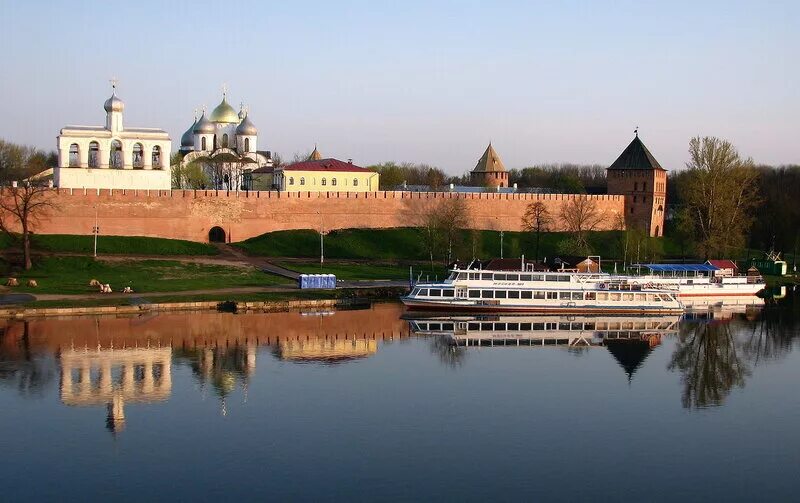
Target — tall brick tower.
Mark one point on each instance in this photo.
(638, 176)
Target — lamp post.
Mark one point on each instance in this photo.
(95, 231)
(321, 239)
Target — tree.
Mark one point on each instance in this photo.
(187, 175)
(580, 216)
(536, 219)
(721, 195)
(440, 227)
(24, 200)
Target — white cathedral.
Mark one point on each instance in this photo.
(113, 156)
(225, 144)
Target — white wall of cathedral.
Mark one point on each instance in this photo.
(204, 142)
(246, 144)
(226, 135)
(104, 178)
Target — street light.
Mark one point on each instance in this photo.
(321, 239)
(95, 231)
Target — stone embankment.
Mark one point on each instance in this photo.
(266, 306)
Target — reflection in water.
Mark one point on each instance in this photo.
(710, 366)
(628, 338)
(112, 362)
(716, 354)
(113, 377)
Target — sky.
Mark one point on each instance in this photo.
(407, 81)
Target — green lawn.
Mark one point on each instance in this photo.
(364, 271)
(114, 245)
(71, 275)
(406, 244)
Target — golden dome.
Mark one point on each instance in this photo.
(224, 113)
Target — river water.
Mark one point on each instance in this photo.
(367, 405)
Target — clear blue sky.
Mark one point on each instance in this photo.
(418, 81)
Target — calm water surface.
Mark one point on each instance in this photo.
(365, 405)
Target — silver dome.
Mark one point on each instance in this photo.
(246, 128)
(114, 104)
(204, 126)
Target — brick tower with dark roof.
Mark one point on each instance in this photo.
(638, 176)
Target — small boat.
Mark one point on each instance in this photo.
(541, 292)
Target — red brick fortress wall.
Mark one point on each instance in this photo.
(189, 215)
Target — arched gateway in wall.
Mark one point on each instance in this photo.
(216, 235)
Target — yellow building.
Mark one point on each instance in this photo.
(325, 175)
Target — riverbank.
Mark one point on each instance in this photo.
(260, 301)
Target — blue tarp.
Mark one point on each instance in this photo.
(679, 267)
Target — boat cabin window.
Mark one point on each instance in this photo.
(453, 275)
(524, 277)
(564, 295)
(435, 292)
(513, 326)
(526, 295)
(513, 294)
(524, 326)
(487, 294)
(563, 279)
(641, 297)
(591, 295)
(627, 297)
(665, 298)
(551, 277)
(615, 296)
(656, 298)
(577, 295)
(474, 294)
(473, 326)
(500, 326)
(486, 276)
(552, 295)
(563, 326)
(537, 294)
(537, 277)
(423, 291)
(500, 294)
(474, 275)
(463, 275)
(512, 277)
(602, 296)
(499, 277)
(537, 326)
(588, 326)
(448, 293)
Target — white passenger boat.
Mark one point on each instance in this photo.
(699, 284)
(541, 292)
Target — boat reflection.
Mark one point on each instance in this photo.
(629, 339)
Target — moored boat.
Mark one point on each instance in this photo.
(541, 292)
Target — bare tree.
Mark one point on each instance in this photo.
(580, 216)
(24, 199)
(537, 219)
(721, 194)
(440, 226)
(21, 209)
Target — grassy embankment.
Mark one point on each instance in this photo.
(113, 245)
(71, 275)
(386, 253)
